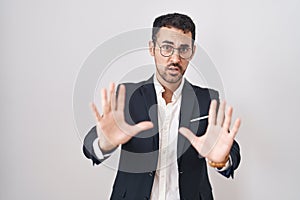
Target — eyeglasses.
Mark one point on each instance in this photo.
(167, 50)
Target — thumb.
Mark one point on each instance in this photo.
(142, 126)
(197, 142)
(188, 134)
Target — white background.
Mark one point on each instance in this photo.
(254, 45)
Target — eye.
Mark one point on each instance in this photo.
(184, 50)
(167, 48)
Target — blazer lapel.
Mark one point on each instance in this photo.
(150, 100)
(186, 110)
(187, 106)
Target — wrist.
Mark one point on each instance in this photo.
(105, 146)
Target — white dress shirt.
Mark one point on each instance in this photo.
(165, 186)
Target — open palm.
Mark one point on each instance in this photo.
(112, 129)
(217, 141)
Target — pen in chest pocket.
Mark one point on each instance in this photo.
(199, 118)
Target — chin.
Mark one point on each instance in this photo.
(173, 79)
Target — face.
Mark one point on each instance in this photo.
(171, 69)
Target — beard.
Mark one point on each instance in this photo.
(171, 73)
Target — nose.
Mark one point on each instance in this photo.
(175, 57)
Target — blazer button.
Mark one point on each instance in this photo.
(150, 174)
(181, 172)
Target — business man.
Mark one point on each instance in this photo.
(145, 119)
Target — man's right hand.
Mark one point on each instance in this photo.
(112, 129)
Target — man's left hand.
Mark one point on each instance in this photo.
(217, 141)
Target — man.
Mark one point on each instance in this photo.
(145, 119)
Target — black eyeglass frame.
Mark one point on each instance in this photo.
(173, 50)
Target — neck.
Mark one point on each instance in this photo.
(167, 95)
(169, 88)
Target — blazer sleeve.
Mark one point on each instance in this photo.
(235, 158)
(88, 149)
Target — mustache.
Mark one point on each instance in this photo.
(175, 65)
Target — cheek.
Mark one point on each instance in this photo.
(184, 65)
(159, 59)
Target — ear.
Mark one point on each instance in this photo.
(151, 48)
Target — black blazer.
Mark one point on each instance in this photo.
(139, 156)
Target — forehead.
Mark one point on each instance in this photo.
(177, 36)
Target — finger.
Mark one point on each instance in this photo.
(228, 117)
(221, 113)
(105, 106)
(212, 112)
(235, 127)
(95, 111)
(112, 96)
(188, 134)
(121, 98)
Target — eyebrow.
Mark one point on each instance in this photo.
(168, 42)
(172, 43)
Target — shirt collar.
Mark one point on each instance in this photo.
(159, 88)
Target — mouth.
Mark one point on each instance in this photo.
(174, 69)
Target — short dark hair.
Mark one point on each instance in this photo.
(176, 20)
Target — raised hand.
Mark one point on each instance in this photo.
(112, 128)
(217, 141)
